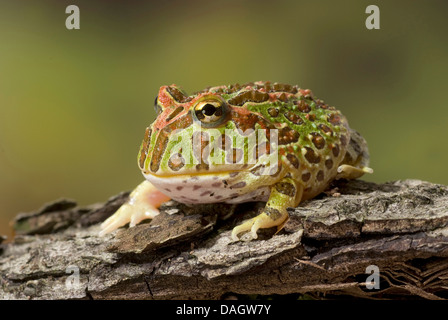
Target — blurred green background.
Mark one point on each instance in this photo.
(74, 104)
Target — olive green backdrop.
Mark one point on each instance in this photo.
(74, 104)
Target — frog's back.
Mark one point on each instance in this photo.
(314, 139)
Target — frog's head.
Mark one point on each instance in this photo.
(203, 133)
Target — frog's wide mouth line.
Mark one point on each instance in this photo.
(198, 174)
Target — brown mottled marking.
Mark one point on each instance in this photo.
(294, 118)
(282, 97)
(249, 96)
(334, 119)
(277, 87)
(178, 95)
(284, 87)
(157, 154)
(238, 185)
(293, 160)
(176, 162)
(326, 129)
(321, 105)
(273, 112)
(233, 174)
(205, 193)
(216, 184)
(306, 176)
(202, 166)
(302, 106)
(174, 114)
(272, 213)
(318, 140)
(286, 188)
(179, 188)
(145, 147)
(287, 135)
(311, 156)
(335, 150)
(310, 116)
(320, 176)
(196, 187)
(329, 164)
(246, 121)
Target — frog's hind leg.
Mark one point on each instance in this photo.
(285, 193)
(142, 204)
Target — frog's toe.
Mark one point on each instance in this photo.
(128, 213)
(346, 171)
(121, 217)
(244, 227)
(142, 204)
(262, 221)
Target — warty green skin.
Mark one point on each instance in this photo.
(258, 141)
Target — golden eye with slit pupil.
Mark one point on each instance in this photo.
(209, 112)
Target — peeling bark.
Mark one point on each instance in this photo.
(187, 253)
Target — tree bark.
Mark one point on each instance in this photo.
(332, 246)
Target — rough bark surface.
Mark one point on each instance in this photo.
(323, 251)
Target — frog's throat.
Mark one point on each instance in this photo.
(205, 188)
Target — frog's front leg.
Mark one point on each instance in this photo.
(285, 193)
(142, 204)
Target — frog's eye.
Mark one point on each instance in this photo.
(211, 112)
(157, 108)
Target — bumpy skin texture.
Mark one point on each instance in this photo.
(258, 141)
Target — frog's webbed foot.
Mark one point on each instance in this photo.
(142, 204)
(285, 193)
(346, 171)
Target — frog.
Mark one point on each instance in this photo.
(258, 141)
